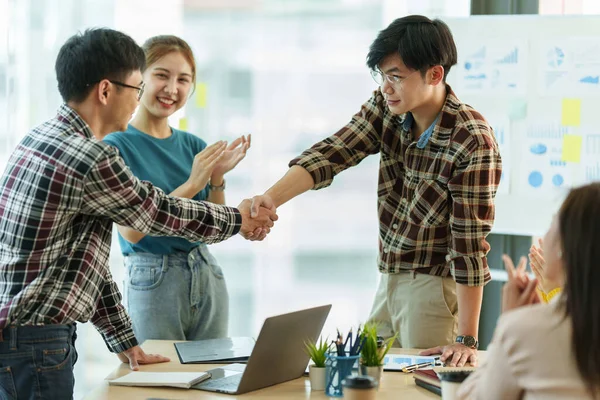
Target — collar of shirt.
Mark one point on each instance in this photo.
(440, 131)
(425, 136)
(70, 117)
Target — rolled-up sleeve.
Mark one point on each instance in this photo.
(473, 189)
(360, 138)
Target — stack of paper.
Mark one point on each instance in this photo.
(174, 379)
(215, 351)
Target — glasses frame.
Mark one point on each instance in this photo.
(380, 77)
(140, 89)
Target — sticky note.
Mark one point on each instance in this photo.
(517, 109)
(183, 124)
(571, 112)
(201, 94)
(571, 151)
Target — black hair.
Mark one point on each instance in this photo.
(420, 42)
(87, 58)
(579, 227)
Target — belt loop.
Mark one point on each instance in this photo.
(1, 336)
(413, 274)
(13, 337)
(201, 251)
(165, 263)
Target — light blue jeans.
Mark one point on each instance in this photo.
(180, 296)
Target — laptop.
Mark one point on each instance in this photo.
(278, 355)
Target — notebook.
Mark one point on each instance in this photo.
(174, 379)
(215, 351)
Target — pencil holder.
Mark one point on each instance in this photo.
(336, 369)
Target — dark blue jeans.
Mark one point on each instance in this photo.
(36, 362)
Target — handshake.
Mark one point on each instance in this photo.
(258, 217)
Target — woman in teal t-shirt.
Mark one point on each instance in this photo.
(174, 288)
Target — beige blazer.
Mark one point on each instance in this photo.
(530, 357)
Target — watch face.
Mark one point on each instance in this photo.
(469, 341)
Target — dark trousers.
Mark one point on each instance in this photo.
(36, 362)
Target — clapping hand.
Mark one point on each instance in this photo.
(538, 266)
(233, 154)
(519, 290)
(205, 163)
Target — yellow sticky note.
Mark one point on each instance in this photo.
(571, 151)
(201, 94)
(183, 124)
(571, 112)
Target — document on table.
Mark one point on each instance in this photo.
(395, 362)
(174, 379)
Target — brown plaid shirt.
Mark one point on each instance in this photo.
(435, 196)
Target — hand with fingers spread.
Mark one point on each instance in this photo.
(538, 264)
(453, 355)
(135, 357)
(257, 223)
(232, 156)
(519, 290)
(205, 163)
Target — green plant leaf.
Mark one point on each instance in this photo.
(317, 351)
(371, 355)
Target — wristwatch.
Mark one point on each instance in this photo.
(468, 341)
(219, 188)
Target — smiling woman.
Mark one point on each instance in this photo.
(174, 288)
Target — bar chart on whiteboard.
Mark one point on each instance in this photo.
(591, 158)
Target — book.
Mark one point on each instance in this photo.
(428, 376)
(173, 379)
(215, 351)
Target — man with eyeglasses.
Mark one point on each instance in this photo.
(438, 175)
(61, 192)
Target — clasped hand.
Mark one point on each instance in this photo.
(258, 217)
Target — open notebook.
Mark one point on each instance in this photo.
(174, 379)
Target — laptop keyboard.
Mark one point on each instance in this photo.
(229, 383)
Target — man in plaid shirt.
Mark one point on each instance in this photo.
(61, 192)
(438, 176)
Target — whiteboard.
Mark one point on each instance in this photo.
(536, 79)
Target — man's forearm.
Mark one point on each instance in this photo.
(295, 182)
(469, 307)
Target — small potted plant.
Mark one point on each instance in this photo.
(373, 352)
(316, 371)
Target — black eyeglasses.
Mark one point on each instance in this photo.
(140, 89)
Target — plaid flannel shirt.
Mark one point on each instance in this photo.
(59, 195)
(435, 196)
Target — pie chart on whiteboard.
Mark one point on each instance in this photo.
(556, 57)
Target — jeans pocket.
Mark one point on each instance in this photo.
(145, 276)
(56, 357)
(214, 266)
(8, 390)
(55, 377)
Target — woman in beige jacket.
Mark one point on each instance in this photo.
(550, 351)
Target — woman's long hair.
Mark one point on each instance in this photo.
(579, 226)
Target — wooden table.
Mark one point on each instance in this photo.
(394, 385)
